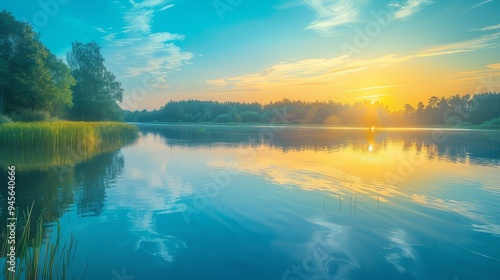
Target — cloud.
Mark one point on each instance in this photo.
(476, 6)
(494, 66)
(408, 8)
(139, 17)
(321, 71)
(487, 28)
(369, 88)
(138, 20)
(327, 71)
(333, 13)
(291, 70)
(165, 7)
(99, 29)
(463, 46)
(475, 44)
(137, 50)
(109, 37)
(488, 78)
(289, 4)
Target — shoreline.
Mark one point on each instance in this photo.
(339, 127)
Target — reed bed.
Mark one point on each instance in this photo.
(53, 135)
(40, 256)
(45, 144)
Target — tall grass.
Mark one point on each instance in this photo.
(45, 144)
(40, 256)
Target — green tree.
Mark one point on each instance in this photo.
(31, 77)
(432, 103)
(250, 116)
(409, 113)
(61, 98)
(96, 91)
(207, 117)
(224, 118)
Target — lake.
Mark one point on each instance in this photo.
(279, 202)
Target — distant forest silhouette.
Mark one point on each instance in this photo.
(457, 110)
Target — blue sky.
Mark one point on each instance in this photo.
(396, 51)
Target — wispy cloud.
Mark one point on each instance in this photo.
(165, 7)
(292, 70)
(479, 43)
(333, 13)
(99, 29)
(288, 4)
(370, 88)
(307, 72)
(494, 66)
(488, 76)
(463, 46)
(477, 6)
(328, 70)
(408, 8)
(487, 28)
(136, 50)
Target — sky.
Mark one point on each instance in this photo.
(394, 52)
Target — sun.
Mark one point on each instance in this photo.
(372, 102)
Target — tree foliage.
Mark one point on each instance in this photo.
(96, 91)
(31, 77)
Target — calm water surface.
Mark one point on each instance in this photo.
(251, 202)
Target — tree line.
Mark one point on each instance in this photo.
(454, 110)
(37, 85)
